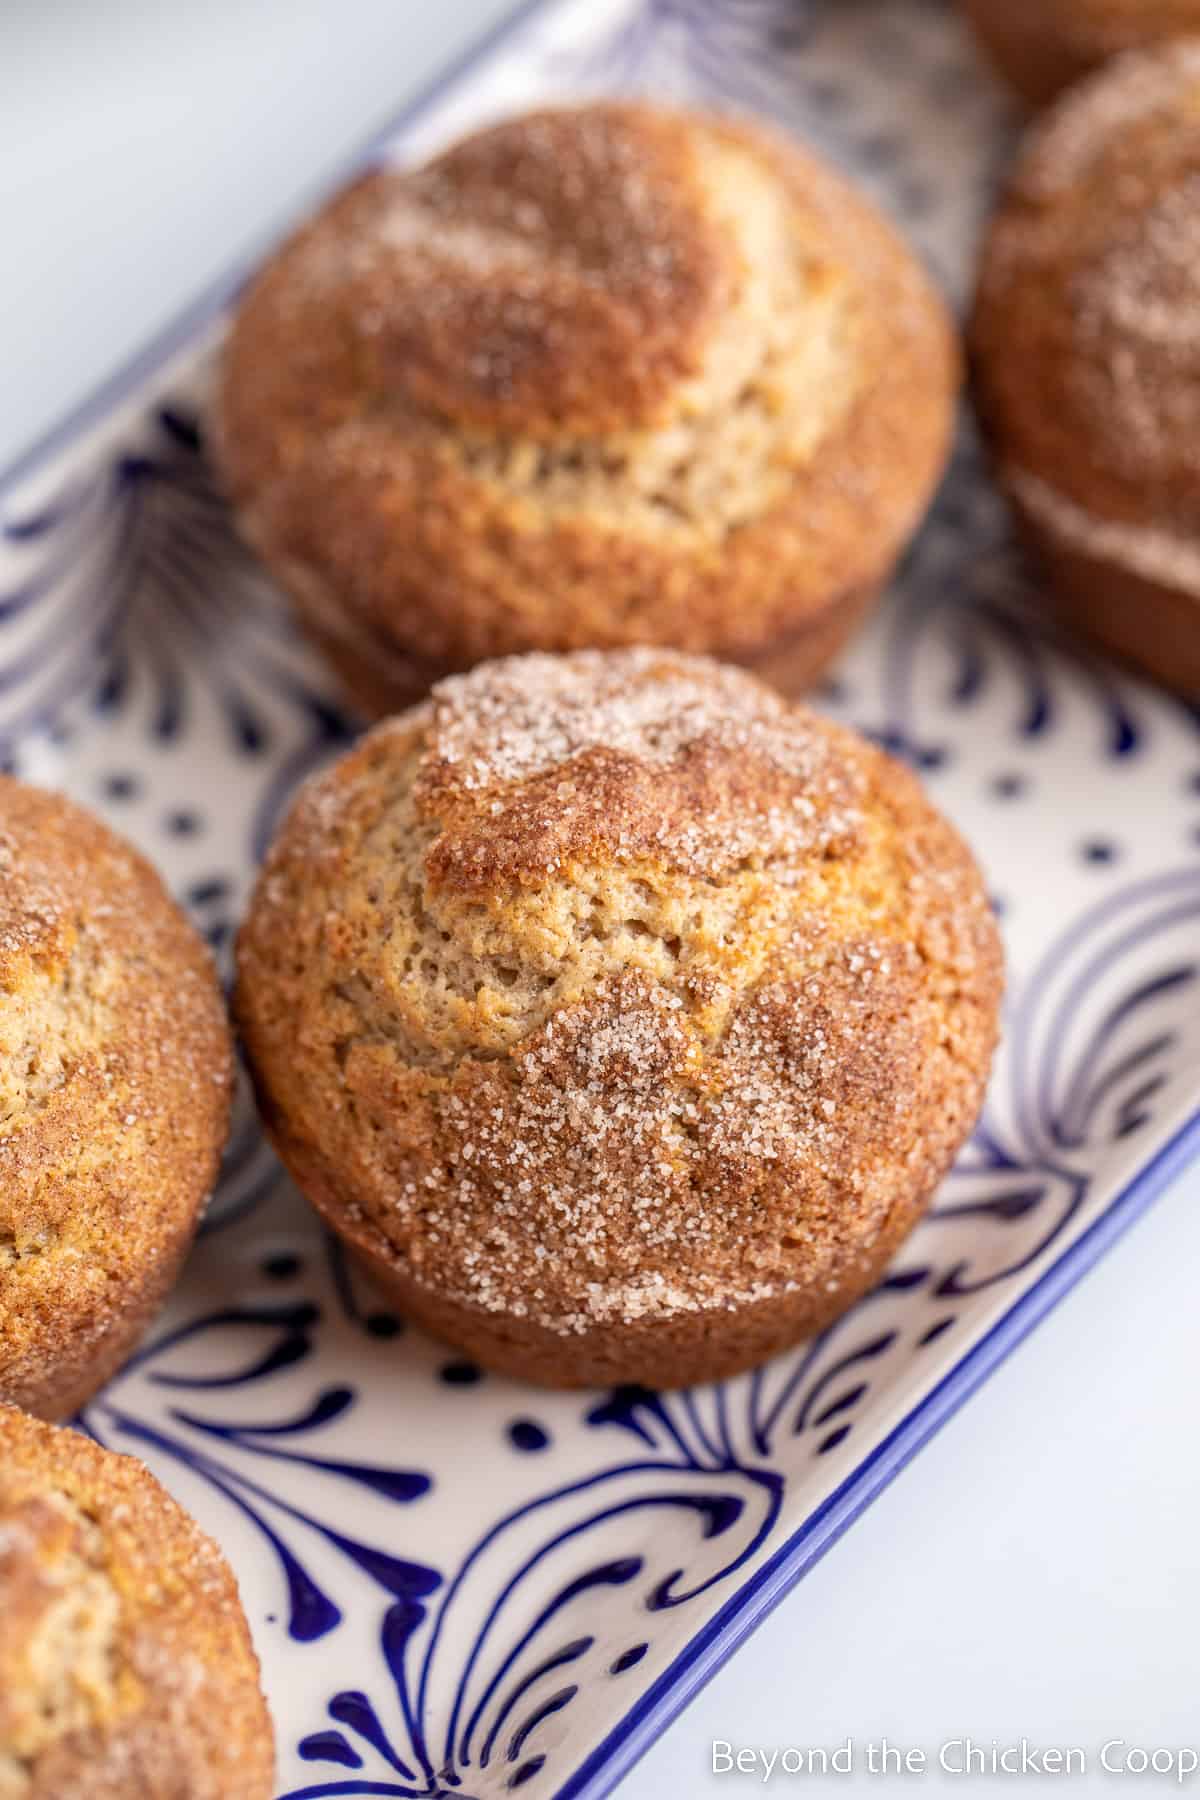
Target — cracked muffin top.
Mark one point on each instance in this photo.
(115, 1082)
(610, 986)
(598, 375)
(126, 1667)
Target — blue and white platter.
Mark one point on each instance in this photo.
(459, 1586)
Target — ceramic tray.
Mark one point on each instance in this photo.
(463, 1586)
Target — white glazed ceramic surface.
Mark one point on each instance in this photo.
(462, 1586)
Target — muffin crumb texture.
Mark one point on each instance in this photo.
(622, 1015)
(125, 1663)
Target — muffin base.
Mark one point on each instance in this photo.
(375, 684)
(1152, 627)
(379, 679)
(1024, 50)
(678, 1350)
(795, 662)
(674, 1350)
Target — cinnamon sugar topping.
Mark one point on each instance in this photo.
(637, 749)
(610, 993)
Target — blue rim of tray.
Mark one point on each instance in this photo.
(716, 1641)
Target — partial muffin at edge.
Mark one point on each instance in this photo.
(1087, 360)
(622, 1016)
(595, 376)
(1042, 49)
(115, 1087)
(126, 1667)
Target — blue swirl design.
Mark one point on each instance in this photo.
(493, 1638)
(131, 590)
(1087, 1060)
(237, 1457)
(176, 529)
(56, 617)
(463, 1581)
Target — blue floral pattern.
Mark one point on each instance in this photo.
(461, 1587)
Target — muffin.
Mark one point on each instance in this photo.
(115, 1082)
(1040, 49)
(126, 1667)
(619, 1014)
(593, 377)
(1087, 355)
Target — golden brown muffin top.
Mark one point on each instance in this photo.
(1085, 328)
(115, 1076)
(546, 391)
(612, 982)
(565, 274)
(549, 759)
(524, 260)
(126, 1667)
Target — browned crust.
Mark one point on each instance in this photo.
(1086, 368)
(386, 542)
(1042, 49)
(378, 679)
(571, 267)
(512, 1193)
(104, 1172)
(178, 1713)
(653, 1352)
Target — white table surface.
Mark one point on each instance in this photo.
(1036, 1572)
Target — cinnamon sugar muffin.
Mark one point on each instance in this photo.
(126, 1668)
(1087, 352)
(115, 1089)
(599, 376)
(621, 1016)
(1043, 48)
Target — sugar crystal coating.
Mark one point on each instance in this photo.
(1085, 323)
(609, 991)
(126, 1666)
(115, 1087)
(599, 375)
